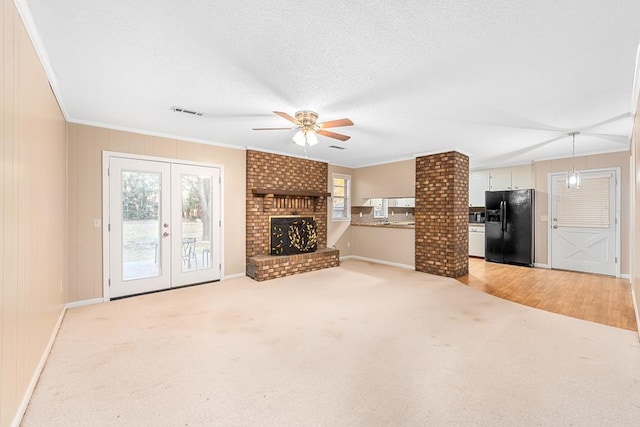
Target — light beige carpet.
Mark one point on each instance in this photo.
(358, 345)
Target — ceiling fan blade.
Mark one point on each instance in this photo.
(335, 123)
(287, 117)
(273, 128)
(333, 135)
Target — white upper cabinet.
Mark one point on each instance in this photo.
(500, 179)
(402, 202)
(521, 177)
(478, 184)
(514, 178)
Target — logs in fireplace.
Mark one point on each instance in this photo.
(290, 235)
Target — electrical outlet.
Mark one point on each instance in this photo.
(348, 244)
(97, 223)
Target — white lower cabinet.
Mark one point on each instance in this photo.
(476, 240)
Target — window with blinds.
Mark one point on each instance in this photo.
(587, 207)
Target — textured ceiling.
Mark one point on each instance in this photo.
(503, 82)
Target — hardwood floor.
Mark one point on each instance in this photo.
(593, 297)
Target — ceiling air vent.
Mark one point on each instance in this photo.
(337, 147)
(185, 111)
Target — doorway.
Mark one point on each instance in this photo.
(584, 232)
(163, 225)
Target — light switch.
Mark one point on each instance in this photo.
(544, 218)
(97, 223)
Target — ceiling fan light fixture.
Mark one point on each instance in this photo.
(312, 139)
(299, 138)
(305, 138)
(309, 129)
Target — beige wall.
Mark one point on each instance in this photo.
(541, 172)
(395, 245)
(397, 179)
(86, 144)
(33, 214)
(338, 232)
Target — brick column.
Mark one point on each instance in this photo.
(442, 214)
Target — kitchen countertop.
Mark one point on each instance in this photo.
(389, 225)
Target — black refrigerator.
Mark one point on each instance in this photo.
(509, 227)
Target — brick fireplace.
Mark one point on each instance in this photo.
(279, 185)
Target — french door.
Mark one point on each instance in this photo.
(584, 229)
(164, 225)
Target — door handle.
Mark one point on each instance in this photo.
(165, 234)
(554, 226)
(165, 225)
(504, 216)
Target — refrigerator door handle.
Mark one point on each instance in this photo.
(504, 216)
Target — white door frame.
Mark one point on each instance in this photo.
(106, 246)
(550, 176)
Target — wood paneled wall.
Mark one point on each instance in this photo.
(32, 216)
(86, 144)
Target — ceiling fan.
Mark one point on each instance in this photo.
(305, 120)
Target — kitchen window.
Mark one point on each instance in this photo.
(341, 196)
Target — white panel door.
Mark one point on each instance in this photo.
(583, 223)
(165, 228)
(140, 257)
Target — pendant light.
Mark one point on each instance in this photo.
(573, 176)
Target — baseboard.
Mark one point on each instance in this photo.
(537, 265)
(635, 308)
(82, 303)
(379, 261)
(626, 276)
(234, 276)
(36, 374)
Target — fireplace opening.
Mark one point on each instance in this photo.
(290, 235)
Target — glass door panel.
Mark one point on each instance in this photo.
(197, 193)
(139, 227)
(197, 206)
(140, 224)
